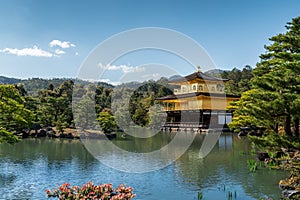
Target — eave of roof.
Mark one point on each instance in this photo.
(196, 75)
(180, 96)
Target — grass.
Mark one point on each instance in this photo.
(253, 165)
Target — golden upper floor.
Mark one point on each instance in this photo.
(198, 82)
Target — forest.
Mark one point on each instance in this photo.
(48, 102)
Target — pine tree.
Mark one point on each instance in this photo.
(275, 96)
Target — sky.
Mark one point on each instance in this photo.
(53, 38)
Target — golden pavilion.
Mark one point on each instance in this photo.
(198, 102)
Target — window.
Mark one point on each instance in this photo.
(183, 88)
(200, 87)
(213, 88)
(220, 87)
(194, 87)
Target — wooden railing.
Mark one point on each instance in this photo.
(184, 125)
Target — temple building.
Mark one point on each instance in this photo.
(199, 102)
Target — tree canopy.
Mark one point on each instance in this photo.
(274, 99)
(14, 116)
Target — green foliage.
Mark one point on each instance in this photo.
(252, 165)
(14, 116)
(252, 152)
(61, 125)
(274, 99)
(7, 137)
(273, 142)
(142, 103)
(139, 107)
(107, 122)
(156, 115)
(200, 196)
(254, 108)
(102, 98)
(239, 81)
(229, 195)
(49, 103)
(84, 113)
(34, 85)
(54, 105)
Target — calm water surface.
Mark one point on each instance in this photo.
(30, 167)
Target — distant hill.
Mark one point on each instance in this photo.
(6, 80)
(174, 77)
(33, 85)
(215, 72)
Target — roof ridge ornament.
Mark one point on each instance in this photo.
(198, 69)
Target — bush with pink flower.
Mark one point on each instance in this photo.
(91, 191)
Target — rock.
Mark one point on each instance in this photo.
(279, 154)
(36, 127)
(52, 134)
(261, 156)
(69, 136)
(33, 133)
(124, 136)
(21, 134)
(41, 133)
(49, 128)
(253, 133)
(111, 136)
(244, 131)
(290, 193)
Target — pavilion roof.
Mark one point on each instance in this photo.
(195, 75)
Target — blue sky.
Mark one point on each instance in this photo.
(52, 38)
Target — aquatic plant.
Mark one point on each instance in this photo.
(252, 165)
(229, 195)
(200, 196)
(253, 152)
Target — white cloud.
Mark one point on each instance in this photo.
(34, 51)
(59, 52)
(124, 68)
(62, 44)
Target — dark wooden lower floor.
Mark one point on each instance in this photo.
(197, 119)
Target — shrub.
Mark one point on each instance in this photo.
(91, 191)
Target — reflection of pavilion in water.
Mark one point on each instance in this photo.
(199, 102)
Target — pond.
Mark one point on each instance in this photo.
(30, 167)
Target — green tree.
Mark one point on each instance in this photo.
(254, 109)
(84, 112)
(8, 137)
(276, 84)
(14, 116)
(107, 121)
(239, 81)
(55, 105)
